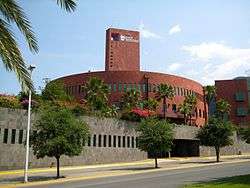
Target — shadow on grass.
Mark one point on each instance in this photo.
(242, 181)
(31, 179)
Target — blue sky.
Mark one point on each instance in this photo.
(201, 40)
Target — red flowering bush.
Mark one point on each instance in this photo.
(143, 113)
(25, 103)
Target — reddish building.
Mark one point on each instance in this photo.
(237, 93)
(122, 72)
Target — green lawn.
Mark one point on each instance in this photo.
(231, 182)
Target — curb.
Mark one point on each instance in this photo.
(112, 174)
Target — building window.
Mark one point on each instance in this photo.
(89, 141)
(100, 141)
(124, 141)
(241, 111)
(181, 92)
(119, 87)
(199, 112)
(104, 140)
(149, 88)
(114, 87)
(239, 96)
(5, 136)
(110, 87)
(178, 91)
(94, 140)
(128, 141)
(132, 142)
(119, 141)
(109, 140)
(174, 109)
(144, 88)
(114, 141)
(13, 136)
(124, 87)
(20, 138)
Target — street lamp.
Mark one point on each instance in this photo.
(30, 68)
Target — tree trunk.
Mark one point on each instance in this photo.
(58, 166)
(164, 107)
(217, 150)
(156, 164)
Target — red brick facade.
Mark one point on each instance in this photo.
(228, 89)
(122, 72)
(118, 80)
(122, 50)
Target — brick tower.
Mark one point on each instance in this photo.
(122, 50)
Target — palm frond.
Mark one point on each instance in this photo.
(68, 5)
(11, 56)
(13, 13)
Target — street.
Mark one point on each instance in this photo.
(161, 179)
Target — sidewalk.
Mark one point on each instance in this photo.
(44, 176)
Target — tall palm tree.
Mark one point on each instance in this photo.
(165, 92)
(209, 95)
(185, 109)
(191, 100)
(130, 99)
(12, 13)
(222, 108)
(96, 94)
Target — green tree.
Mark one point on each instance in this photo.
(245, 133)
(209, 94)
(96, 94)
(165, 92)
(191, 101)
(185, 109)
(12, 13)
(130, 99)
(156, 136)
(54, 91)
(150, 104)
(58, 133)
(217, 133)
(222, 108)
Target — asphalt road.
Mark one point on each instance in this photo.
(161, 179)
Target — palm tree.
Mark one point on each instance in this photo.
(96, 94)
(130, 99)
(191, 100)
(185, 109)
(150, 104)
(209, 95)
(222, 108)
(165, 92)
(12, 13)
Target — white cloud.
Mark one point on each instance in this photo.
(145, 33)
(174, 29)
(174, 66)
(218, 61)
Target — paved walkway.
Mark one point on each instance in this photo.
(44, 176)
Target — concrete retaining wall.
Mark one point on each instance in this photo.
(12, 153)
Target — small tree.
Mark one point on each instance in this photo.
(156, 136)
(131, 99)
(185, 109)
(54, 91)
(165, 92)
(191, 101)
(217, 133)
(96, 94)
(58, 133)
(150, 104)
(222, 108)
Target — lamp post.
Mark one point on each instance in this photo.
(30, 68)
